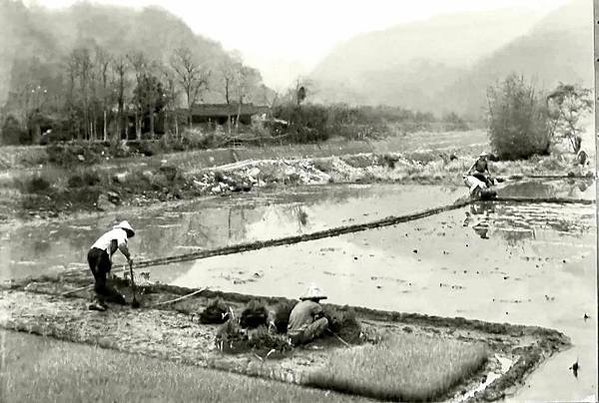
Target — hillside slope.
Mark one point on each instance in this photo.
(48, 37)
(441, 66)
(558, 48)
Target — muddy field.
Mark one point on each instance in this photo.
(522, 263)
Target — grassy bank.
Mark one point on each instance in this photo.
(42, 369)
(404, 367)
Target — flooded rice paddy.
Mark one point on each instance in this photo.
(532, 264)
(215, 222)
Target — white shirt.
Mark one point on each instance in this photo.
(105, 241)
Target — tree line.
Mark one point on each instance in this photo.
(94, 94)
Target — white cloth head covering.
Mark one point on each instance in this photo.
(127, 227)
(313, 292)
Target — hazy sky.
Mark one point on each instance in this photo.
(286, 38)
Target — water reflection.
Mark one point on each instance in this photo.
(516, 222)
(577, 188)
(216, 222)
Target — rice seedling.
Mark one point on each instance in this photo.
(216, 312)
(343, 323)
(231, 338)
(405, 367)
(255, 314)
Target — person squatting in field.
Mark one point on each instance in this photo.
(307, 321)
(99, 258)
(480, 168)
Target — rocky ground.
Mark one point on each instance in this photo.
(95, 190)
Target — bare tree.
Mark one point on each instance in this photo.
(120, 68)
(170, 97)
(139, 63)
(82, 64)
(191, 76)
(102, 64)
(229, 70)
(246, 80)
(71, 68)
(567, 104)
(301, 90)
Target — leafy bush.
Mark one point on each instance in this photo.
(307, 123)
(197, 138)
(37, 184)
(12, 133)
(84, 179)
(518, 122)
(69, 155)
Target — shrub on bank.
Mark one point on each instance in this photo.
(72, 154)
(518, 120)
(12, 133)
(307, 123)
(37, 184)
(84, 178)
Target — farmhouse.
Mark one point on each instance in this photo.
(220, 113)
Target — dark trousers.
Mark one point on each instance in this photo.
(100, 265)
(308, 333)
(486, 178)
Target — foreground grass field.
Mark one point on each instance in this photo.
(37, 369)
(405, 368)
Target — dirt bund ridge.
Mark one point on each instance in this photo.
(333, 232)
(343, 230)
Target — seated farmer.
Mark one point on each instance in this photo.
(480, 168)
(307, 321)
(481, 165)
(100, 263)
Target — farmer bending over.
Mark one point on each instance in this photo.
(100, 263)
(307, 321)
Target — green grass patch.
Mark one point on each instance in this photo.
(42, 369)
(406, 368)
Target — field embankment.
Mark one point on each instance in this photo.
(50, 190)
(40, 307)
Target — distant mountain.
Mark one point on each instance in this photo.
(446, 64)
(49, 36)
(558, 48)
